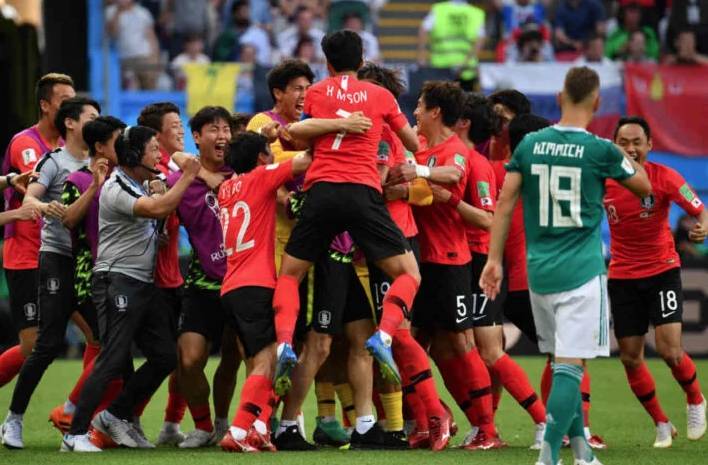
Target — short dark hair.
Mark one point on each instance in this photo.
(580, 82)
(522, 125)
(484, 121)
(280, 76)
(45, 87)
(72, 108)
(238, 120)
(244, 151)
(638, 120)
(207, 115)
(388, 78)
(447, 96)
(513, 100)
(592, 37)
(100, 130)
(133, 143)
(343, 50)
(152, 115)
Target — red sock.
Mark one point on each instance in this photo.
(286, 304)
(202, 417)
(140, 408)
(496, 397)
(685, 374)
(112, 390)
(585, 394)
(642, 384)
(478, 385)
(546, 382)
(90, 353)
(76, 392)
(10, 363)
(267, 410)
(514, 380)
(345, 419)
(415, 370)
(456, 387)
(399, 299)
(254, 398)
(415, 408)
(380, 412)
(176, 403)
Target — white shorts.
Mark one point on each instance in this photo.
(574, 323)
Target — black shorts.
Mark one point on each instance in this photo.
(304, 316)
(22, 287)
(380, 282)
(339, 297)
(332, 208)
(172, 299)
(443, 300)
(202, 313)
(485, 312)
(250, 310)
(637, 302)
(517, 309)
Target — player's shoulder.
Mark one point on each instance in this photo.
(258, 121)
(80, 176)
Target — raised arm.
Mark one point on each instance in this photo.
(439, 174)
(355, 123)
(161, 206)
(77, 209)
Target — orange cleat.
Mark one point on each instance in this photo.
(483, 442)
(439, 432)
(419, 439)
(60, 420)
(101, 440)
(259, 441)
(231, 444)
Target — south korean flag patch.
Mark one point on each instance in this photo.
(29, 156)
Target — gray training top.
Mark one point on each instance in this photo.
(127, 243)
(53, 170)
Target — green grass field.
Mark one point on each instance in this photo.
(615, 414)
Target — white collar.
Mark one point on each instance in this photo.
(568, 128)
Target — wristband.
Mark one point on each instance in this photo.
(422, 171)
(454, 200)
(9, 177)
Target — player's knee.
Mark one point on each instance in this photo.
(631, 359)
(27, 344)
(490, 355)
(319, 346)
(191, 362)
(671, 355)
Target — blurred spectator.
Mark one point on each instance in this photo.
(303, 27)
(355, 23)
(521, 12)
(305, 50)
(454, 30)
(260, 13)
(529, 44)
(230, 43)
(245, 75)
(636, 49)
(630, 17)
(576, 20)
(686, 52)
(593, 51)
(193, 53)
(183, 19)
(131, 26)
(689, 15)
(339, 9)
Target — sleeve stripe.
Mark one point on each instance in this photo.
(127, 188)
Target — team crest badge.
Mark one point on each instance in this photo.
(30, 310)
(324, 318)
(121, 302)
(53, 285)
(648, 202)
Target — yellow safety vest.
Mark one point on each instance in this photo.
(454, 34)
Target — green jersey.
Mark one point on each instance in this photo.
(563, 173)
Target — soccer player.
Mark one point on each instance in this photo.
(124, 293)
(202, 321)
(248, 202)
(25, 212)
(645, 279)
(507, 104)
(56, 299)
(21, 245)
(560, 172)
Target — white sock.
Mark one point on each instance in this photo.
(238, 433)
(260, 426)
(14, 416)
(328, 419)
(385, 337)
(587, 433)
(279, 349)
(285, 424)
(364, 424)
(69, 407)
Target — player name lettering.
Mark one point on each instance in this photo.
(558, 150)
(350, 97)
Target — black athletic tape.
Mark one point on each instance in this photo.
(420, 377)
(252, 408)
(465, 405)
(327, 401)
(646, 397)
(487, 390)
(585, 396)
(348, 408)
(408, 389)
(689, 381)
(529, 401)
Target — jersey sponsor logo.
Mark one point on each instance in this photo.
(121, 302)
(29, 156)
(648, 202)
(324, 318)
(30, 310)
(53, 285)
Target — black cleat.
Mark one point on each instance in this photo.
(375, 438)
(396, 440)
(291, 439)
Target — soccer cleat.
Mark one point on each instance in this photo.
(59, 419)
(329, 433)
(483, 442)
(383, 354)
(100, 440)
(469, 437)
(395, 440)
(419, 439)
(594, 461)
(120, 431)
(260, 441)
(220, 430)
(538, 436)
(696, 420)
(78, 443)
(665, 434)
(12, 434)
(196, 439)
(439, 432)
(140, 437)
(595, 441)
(284, 366)
(291, 439)
(171, 435)
(453, 425)
(230, 444)
(374, 439)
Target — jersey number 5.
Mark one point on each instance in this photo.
(551, 192)
(225, 218)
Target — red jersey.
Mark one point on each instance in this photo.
(641, 243)
(515, 247)
(349, 158)
(481, 193)
(392, 153)
(441, 228)
(167, 272)
(21, 248)
(247, 203)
